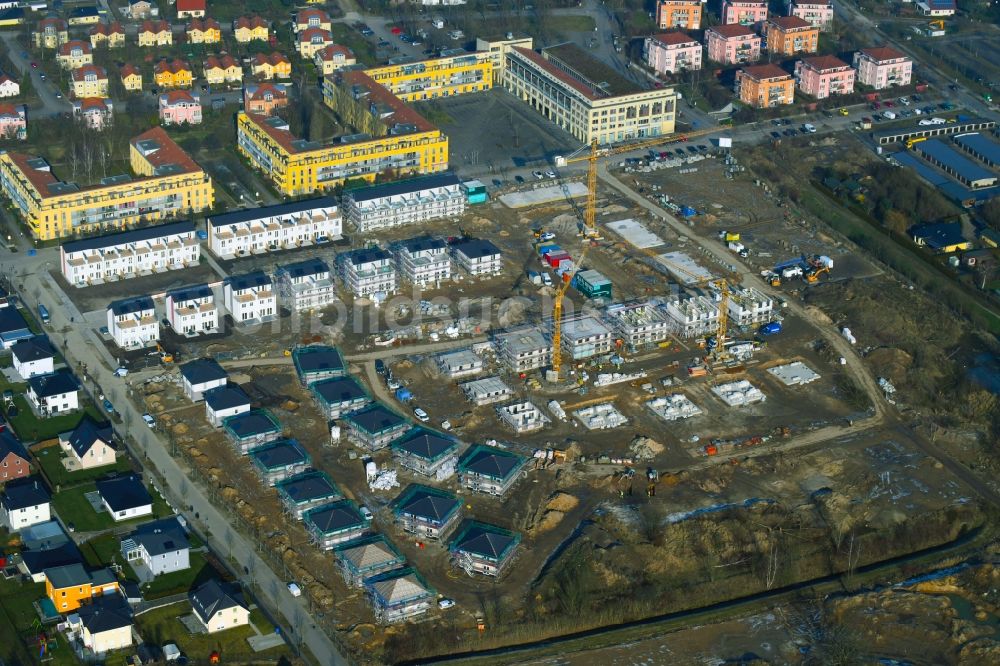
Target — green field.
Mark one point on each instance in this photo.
(73, 507)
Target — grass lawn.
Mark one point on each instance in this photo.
(363, 50)
(73, 507)
(32, 429)
(18, 638)
(570, 23)
(163, 626)
(50, 460)
(181, 581)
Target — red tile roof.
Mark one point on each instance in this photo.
(203, 24)
(107, 29)
(220, 62)
(128, 69)
(10, 110)
(92, 103)
(768, 71)
(273, 58)
(249, 22)
(542, 63)
(65, 49)
(674, 38)
(154, 26)
(80, 73)
(54, 21)
(172, 66)
(732, 30)
(190, 5)
(178, 97)
(257, 91)
(379, 94)
(302, 18)
(824, 63)
(333, 49)
(883, 53)
(789, 22)
(305, 37)
(168, 152)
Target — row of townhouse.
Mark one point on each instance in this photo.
(133, 253)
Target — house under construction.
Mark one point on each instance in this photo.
(692, 316)
(523, 349)
(639, 324)
(750, 306)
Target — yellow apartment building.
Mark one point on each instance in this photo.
(454, 73)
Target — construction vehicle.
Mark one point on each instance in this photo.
(912, 141)
(938, 24)
(812, 276)
(165, 356)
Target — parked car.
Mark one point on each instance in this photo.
(844, 112)
(366, 512)
(294, 590)
(108, 407)
(547, 236)
(538, 174)
(149, 420)
(550, 173)
(392, 383)
(444, 604)
(421, 415)
(379, 366)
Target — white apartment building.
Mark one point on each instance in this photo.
(639, 323)
(424, 261)
(694, 316)
(368, 271)
(129, 254)
(192, 311)
(404, 202)
(250, 298)
(524, 349)
(477, 257)
(132, 322)
(749, 306)
(285, 226)
(585, 337)
(306, 285)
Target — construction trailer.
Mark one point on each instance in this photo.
(592, 284)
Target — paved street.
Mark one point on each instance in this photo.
(46, 91)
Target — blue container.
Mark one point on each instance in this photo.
(771, 328)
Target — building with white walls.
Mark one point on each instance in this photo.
(192, 310)
(423, 261)
(477, 257)
(132, 322)
(250, 298)
(129, 254)
(368, 271)
(404, 202)
(306, 285)
(286, 226)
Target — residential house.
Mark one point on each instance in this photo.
(765, 86)
(280, 460)
(9, 87)
(157, 548)
(190, 8)
(129, 254)
(264, 98)
(51, 33)
(251, 430)
(672, 52)
(131, 78)
(823, 76)
(398, 595)
(24, 503)
(477, 257)
(375, 426)
(192, 311)
(486, 391)
(427, 512)
(489, 470)
(88, 445)
(306, 285)
(13, 326)
(312, 40)
(585, 337)
(744, 12)
(201, 375)
(222, 402)
(883, 67)
(426, 452)
(938, 8)
(818, 12)
(525, 348)
(311, 18)
(90, 81)
(339, 396)
(369, 556)
(483, 549)
(54, 393)
(110, 35)
(104, 625)
(250, 28)
(639, 324)
(409, 201)
(318, 362)
(95, 112)
(683, 14)
(788, 35)
(307, 491)
(74, 53)
(125, 497)
(732, 44)
(204, 31)
(218, 607)
(333, 57)
(71, 586)
(155, 33)
(173, 73)
(250, 298)
(13, 121)
(14, 463)
(140, 9)
(280, 227)
(423, 261)
(180, 107)
(273, 66)
(941, 237)
(33, 356)
(335, 523)
(132, 322)
(220, 70)
(368, 272)
(83, 15)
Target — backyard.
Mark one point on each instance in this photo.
(50, 459)
(20, 630)
(74, 509)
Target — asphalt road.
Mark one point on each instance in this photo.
(51, 106)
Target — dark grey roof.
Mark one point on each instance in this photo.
(203, 370)
(73, 575)
(307, 487)
(403, 187)
(211, 598)
(106, 613)
(53, 383)
(161, 536)
(37, 561)
(226, 397)
(252, 423)
(317, 359)
(33, 349)
(129, 305)
(475, 248)
(425, 443)
(304, 268)
(192, 292)
(132, 236)
(87, 433)
(480, 539)
(11, 320)
(429, 503)
(338, 390)
(376, 419)
(83, 12)
(423, 243)
(23, 493)
(491, 462)
(10, 444)
(124, 492)
(335, 517)
(939, 234)
(964, 168)
(249, 214)
(253, 280)
(282, 453)
(364, 255)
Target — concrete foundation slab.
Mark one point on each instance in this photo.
(794, 374)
